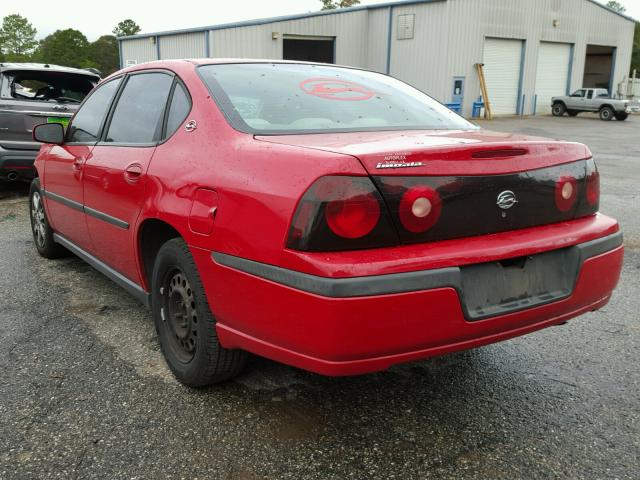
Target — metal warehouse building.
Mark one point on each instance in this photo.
(532, 49)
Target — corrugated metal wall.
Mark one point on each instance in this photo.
(184, 45)
(448, 40)
(138, 50)
(257, 41)
(425, 60)
(377, 37)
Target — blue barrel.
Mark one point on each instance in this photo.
(477, 108)
(456, 107)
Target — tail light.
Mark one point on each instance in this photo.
(566, 193)
(592, 181)
(354, 213)
(419, 209)
(341, 213)
(347, 213)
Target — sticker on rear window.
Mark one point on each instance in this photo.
(335, 89)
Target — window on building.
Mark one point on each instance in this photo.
(406, 25)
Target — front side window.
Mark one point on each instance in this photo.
(578, 93)
(293, 98)
(85, 126)
(138, 115)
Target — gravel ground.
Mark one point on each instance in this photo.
(85, 392)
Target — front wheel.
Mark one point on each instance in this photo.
(185, 325)
(42, 231)
(621, 116)
(558, 109)
(606, 113)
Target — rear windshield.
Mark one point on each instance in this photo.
(298, 98)
(58, 87)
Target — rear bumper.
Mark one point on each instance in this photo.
(17, 164)
(346, 326)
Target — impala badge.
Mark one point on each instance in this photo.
(506, 200)
(397, 160)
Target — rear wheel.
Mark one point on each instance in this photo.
(606, 113)
(621, 116)
(42, 231)
(558, 109)
(185, 325)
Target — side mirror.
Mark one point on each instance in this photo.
(49, 133)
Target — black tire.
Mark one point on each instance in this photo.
(606, 113)
(185, 325)
(558, 109)
(621, 116)
(40, 228)
(572, 113)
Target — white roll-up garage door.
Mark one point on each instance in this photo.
(552, 73)
(502, 59)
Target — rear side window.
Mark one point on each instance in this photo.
(86, 124)
(180, 107)
(138, 115)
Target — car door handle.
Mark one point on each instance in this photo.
(133, 172)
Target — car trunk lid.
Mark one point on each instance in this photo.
(443, 152)
(452, 184)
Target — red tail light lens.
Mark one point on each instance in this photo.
(419, 209)
(355, 216)
(341, 213)
(566, 193)
(593, 183)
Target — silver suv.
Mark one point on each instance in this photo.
(30, 94)
(590, 100)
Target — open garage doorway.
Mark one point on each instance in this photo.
(308, 49)
(598, 66)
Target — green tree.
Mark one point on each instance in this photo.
(65, 47)
(333, 4)
(617, 6)
(635, 56)
(125, 28)
(104, 54)
(17, 38)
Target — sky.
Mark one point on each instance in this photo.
(93, 19)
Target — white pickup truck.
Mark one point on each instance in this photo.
(590, 100)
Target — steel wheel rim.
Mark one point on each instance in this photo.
(38, 219)
(179, 315)
(606, 114)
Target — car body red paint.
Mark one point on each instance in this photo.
(235, 193)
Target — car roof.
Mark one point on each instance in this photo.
(44, 67)
(176, 63)
(213, 61)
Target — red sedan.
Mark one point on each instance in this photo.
(330, 218)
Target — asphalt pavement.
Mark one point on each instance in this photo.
(85, 393)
